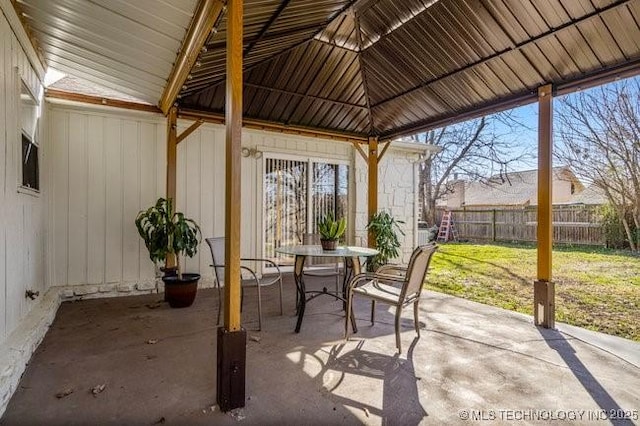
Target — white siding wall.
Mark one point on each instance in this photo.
(22, 216)
(108, 164)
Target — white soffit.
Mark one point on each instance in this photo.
(127, 46)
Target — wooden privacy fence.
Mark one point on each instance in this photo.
(571, 224)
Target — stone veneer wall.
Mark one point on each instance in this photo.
(397, 193)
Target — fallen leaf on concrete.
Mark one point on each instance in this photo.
(366, 412)
(213, 408)
(152, 341)
(255, 338)
(98, 389)
(152, 357)
(64, 393)
(153, 305)
(161, 420)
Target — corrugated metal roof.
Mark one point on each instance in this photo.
(389, 67)
(370, 67)
(123, 45)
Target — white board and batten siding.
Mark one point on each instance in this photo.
(107, 167)
(109, 164)
(23, 230)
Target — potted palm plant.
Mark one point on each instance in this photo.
(169, 235)
(330, 231)
(385, 229)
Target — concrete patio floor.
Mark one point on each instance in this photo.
(158, 366)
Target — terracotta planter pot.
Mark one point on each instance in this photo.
(329, 245)
(181, 293)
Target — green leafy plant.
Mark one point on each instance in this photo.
(166, 233)
(385, 230)
(613, 228)
(331, 229)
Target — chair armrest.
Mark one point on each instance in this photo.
(252, 272)
(271, 262)
(364, 277)
(392, 270)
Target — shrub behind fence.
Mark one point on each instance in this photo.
(579, 224)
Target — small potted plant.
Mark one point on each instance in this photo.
(330, 231)
(169, 235)
(385, 230)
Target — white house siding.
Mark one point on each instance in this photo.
(109, 164)
(201, 181)
(23, 223)
(22, 215)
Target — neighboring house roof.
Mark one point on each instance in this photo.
(591, 195)
(78, 85)
(512, 189)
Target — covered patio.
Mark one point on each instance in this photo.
(210, 95)
(471, 360)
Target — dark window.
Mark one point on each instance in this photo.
(573, 188)
(30, 172)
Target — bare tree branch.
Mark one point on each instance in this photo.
(600, 131)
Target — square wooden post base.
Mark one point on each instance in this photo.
(544, 312)
(231, 373)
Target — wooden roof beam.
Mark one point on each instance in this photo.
(189, 130)
(271, 126)
(206, 15)
(24, 34)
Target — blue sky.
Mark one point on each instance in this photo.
(526, 134)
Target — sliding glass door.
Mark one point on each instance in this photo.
(297, 193)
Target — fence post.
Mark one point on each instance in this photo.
(493, 226)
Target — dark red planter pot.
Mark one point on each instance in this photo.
(181, 293)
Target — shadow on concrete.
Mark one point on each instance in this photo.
(400, 398)
(556, 341)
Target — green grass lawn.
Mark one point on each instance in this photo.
(596, 289)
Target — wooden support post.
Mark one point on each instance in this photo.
(544, 289)
(232, 340)
(172, 152)
(372, 199)
(172, 155)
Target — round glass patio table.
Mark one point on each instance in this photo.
(352, 267)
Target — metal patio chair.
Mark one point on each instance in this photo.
(217, 247)
(325, 269)
(393, 285)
